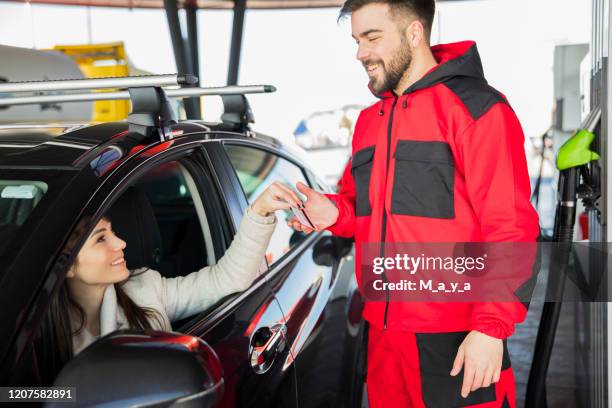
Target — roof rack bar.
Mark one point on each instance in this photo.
(77, 97)
(220, 90)
(118, 95)
(98, 83)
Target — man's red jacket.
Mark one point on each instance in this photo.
(443, 162)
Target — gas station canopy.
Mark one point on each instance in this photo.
(185, 47)
(196, 4)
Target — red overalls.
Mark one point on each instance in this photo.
(443, 162)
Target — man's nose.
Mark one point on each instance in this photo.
(362, 53)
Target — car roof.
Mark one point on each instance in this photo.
(70, 145)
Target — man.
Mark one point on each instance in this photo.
(439, 158)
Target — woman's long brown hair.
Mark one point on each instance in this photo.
(53, 342)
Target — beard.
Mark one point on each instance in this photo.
(391, 72)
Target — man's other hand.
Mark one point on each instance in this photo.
(320, 210)
(480, 356)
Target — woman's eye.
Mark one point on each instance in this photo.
(101, 239)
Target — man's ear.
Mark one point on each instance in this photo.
(415, 33)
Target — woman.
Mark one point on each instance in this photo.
(100, 294)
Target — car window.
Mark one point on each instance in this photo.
(18, 198)
(319, 184)
(180, 218)
(257, 169)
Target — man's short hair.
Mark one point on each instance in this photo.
(424, 10)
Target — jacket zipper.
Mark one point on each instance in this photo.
(384, 220)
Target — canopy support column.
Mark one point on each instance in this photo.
(182, 58)
(237, 30)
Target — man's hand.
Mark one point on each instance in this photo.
(320, 210)
(480, 356)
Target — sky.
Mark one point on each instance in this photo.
(310, 58)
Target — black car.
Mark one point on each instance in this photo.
(295, 337)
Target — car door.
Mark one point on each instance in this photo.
(304, 275)
(246, 330)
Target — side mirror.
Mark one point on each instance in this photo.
(144, 369)
(329, 249)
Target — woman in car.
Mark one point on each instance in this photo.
(99, 295)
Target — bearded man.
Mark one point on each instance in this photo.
(439, 158)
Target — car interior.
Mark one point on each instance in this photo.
(158, 217)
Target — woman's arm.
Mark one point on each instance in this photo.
(235, 271)
(238, 267)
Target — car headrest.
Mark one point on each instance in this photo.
(133, 220)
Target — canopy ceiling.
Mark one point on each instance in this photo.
(203, 4)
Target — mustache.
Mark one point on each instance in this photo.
(370, 62)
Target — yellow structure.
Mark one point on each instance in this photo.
(97, 61)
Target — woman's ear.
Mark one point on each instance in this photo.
(70, 273)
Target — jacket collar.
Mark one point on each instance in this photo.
(454, 59)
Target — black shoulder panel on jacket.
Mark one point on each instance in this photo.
(477, 96)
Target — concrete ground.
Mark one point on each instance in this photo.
(561, 383)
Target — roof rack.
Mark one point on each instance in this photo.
(151, 112)
(98, 83)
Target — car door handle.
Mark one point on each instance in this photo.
(266, 344)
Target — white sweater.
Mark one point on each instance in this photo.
(176, 298)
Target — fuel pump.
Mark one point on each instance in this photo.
(575, 182)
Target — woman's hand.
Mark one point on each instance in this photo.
(276, 196)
